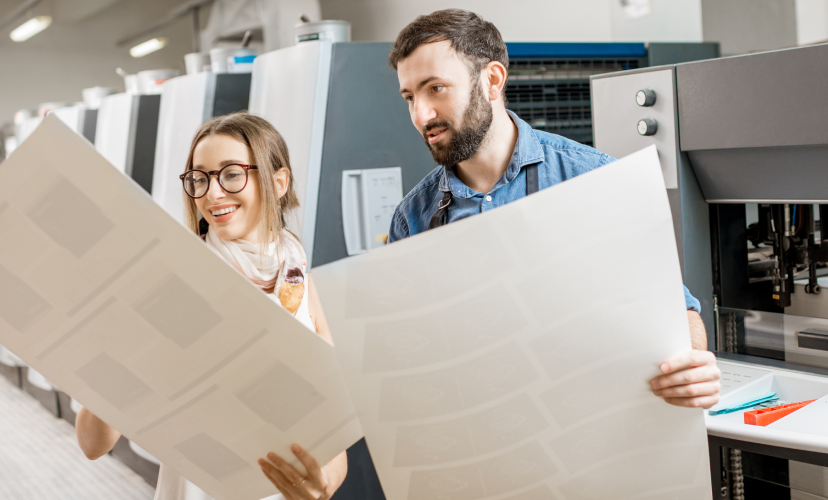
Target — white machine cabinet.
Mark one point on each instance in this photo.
(369, 198)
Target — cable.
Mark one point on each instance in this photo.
(793, 219)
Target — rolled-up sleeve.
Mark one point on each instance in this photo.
(692, 302)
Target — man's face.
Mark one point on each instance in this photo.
(446, 103)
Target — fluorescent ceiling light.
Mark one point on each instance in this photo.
(30, 28)
(148, 47)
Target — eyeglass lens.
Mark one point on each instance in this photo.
(232, 178)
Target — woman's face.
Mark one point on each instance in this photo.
(242, 222)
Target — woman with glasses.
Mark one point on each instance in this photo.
(238, 188)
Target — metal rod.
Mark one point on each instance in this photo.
(787, 225)
(18, 13)
(717, 331)
(813, 283)
(248, 36)
(196, 30)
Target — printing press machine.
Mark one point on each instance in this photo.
(743, 143)
(186, 102)
(125, 134)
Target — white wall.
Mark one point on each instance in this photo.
(667, 21)
(743, 26)
(811, 21)
(517, 20)
(72, 54)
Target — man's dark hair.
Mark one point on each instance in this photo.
(474, 38)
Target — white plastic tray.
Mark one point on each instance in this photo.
(805, 429)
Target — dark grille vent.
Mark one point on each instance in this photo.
(553, 94)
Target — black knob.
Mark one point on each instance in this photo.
(647, 126)
(645, 97)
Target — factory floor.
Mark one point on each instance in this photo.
(40, 458)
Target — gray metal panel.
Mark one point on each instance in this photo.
(659, 53)
(697, 260)
(367, 126)
(674, 198)
(770, 174)
(615, 117)
(132, 131)
(230, 94)
(758, 100)
(141, 159)
(90, 123)
(209, 98)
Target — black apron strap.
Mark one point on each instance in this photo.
(440, 217)
(532, 185)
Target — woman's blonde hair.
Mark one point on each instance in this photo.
(270, 154)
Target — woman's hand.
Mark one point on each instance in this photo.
(294, 486)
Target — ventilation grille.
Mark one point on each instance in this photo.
(553, 94)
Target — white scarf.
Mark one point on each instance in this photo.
(280, 271)
(262, 268)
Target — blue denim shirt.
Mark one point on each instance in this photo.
(558, 159)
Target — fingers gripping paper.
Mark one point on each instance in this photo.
(130, 313)
(508, 355)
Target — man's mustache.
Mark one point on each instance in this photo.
(437, 124)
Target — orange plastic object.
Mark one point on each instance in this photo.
(767, 416)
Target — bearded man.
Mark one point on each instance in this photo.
(452, 67)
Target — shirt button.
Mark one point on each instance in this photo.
(488, 198)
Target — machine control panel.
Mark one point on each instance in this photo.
(369, 198)
(647, 126)
(622, 126)
(645, 97)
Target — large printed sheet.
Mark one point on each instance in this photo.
(508, 355)
(131, 314)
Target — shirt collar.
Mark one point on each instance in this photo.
(528, 151)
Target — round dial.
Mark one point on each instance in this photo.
(645, 97)
(647, 126)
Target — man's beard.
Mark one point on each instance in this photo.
(464, 143)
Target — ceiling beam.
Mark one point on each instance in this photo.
(171, 17)
(17, 13)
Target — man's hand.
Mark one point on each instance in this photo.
(689, 379)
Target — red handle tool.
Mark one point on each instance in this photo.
(767, 416)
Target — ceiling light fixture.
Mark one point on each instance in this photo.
(148, 47)
(30, 28)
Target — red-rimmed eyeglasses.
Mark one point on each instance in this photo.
(232, 178)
